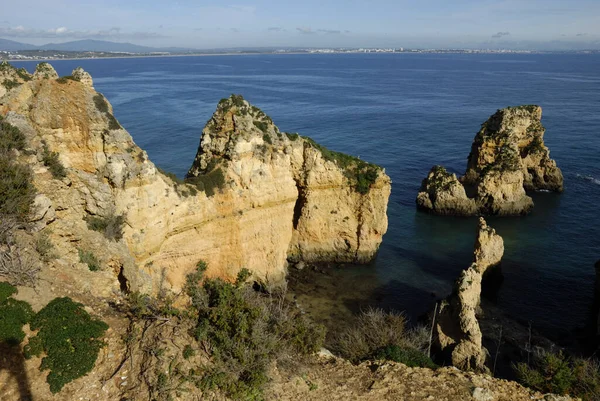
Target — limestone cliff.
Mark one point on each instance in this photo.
(457, 330)
(508, 157)
(254, 196)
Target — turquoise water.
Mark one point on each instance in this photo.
(406, 113)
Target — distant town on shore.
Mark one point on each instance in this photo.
(89, 49)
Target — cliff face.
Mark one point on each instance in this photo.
(508, 156)
(457, 330)
(254, 195)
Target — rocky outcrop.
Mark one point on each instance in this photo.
(83, 76)
(457, 330)
(508, 157)
(442, 193)
(253, 198)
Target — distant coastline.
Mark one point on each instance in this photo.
(30, 55)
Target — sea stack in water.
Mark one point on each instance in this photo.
(508, 157)
(457, 330)
(254, 198)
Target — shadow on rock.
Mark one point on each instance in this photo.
(13, 361)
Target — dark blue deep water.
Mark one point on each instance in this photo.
(406, 113)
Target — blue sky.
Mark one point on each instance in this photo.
(316, 23)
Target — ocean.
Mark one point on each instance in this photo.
(405, 112)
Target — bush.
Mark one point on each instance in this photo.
(359, 173)
(53, 163)
(17, 264)
(13, 316)
(261, 125)
(246, 331)
(10, 84)
(560, 374)
(144, 306)
(208, 182)
(267, 139)
(10, 137)
(408, 356)
(89, 259)
(111, 225)
(67, 78)
(44, 247)
(69, 337)
(102, 106)
(16, 188)
(16, 180)
(373, 332)
(188, 352)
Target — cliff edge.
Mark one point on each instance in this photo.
(254, 196)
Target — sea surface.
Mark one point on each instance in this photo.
(405, 112)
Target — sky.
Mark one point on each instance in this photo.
(512, 24)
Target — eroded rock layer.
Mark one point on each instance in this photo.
(457, 330)
(253, 198)
(508, 157)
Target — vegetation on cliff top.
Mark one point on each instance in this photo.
(559, 373)
(111, 225)
(359, 173)
(237, 333)
(13, 316)
(51, 160)
(16, 179)
(70, 339)
(66, 334)
(246, 331)
(102, 106)
(383, 335)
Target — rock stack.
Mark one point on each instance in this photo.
(508, 157)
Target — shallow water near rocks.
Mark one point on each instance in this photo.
(405, 112)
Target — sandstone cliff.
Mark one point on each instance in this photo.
(457, 330)
(508, 157)
(254, 196)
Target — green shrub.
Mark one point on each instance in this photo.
(267, 139)
(144, 306)
(373, 332)
(69, 337)
(560, 374)
(66, 78)
(292, 137)
(53, 163)
(188, 352)
(10, 83)
(365, 177)
(10, 137)
(408, 356)
(261, 125)
(101, 103)
(16, 180)
(359, 173)
(172, 176)
(102, 106)
(23, 74)
(110, 225)
(44, 247)
(89, 259)
(16, 188)
(246, 332)
(209, 182)
(14, 315)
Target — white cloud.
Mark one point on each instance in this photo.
(63, 32)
